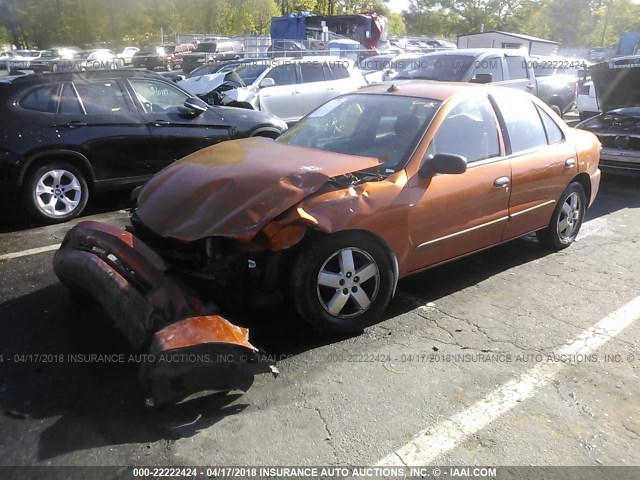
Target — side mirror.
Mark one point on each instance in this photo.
(482, 78)
(446, 163)
(193, 106)
(267, 82)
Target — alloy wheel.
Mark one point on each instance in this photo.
(348, 282)
(58, 192)
(569, 218)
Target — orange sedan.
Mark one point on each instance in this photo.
(369, 188)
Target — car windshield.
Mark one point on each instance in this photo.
(206, 47)
(438, 67)
(387, 127)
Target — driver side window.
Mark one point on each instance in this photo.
(283, 74)
(469, 130)
(158, 97)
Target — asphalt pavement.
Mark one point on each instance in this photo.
(451, 340)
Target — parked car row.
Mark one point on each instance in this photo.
(286, 87)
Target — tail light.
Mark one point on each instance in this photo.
(583, 89)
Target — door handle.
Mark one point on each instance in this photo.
(295, 92)
(330, 89)
(570, 162)
(75, 124)
(501, 182)
(161, 123)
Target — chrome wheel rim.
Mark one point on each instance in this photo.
(58, 192)
(348, 283)
(569, 218)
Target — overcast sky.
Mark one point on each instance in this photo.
(398, 5)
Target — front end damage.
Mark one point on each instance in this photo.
(190, 347)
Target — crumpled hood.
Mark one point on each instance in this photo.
(235, 188)
(203, 84)
(619, 86)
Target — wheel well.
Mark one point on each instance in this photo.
(77, 162)
(584, 180)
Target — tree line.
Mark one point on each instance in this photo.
(114, 23)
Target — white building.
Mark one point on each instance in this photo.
(497, 39)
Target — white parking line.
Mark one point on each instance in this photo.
(432, 442)
(31, 251)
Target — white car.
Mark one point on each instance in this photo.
(22, 59)
(286, 87)
(4, 60)
(587, 101)
(126, 54)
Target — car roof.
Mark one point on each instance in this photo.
(41, 78)
(477, 52)
(432, 89)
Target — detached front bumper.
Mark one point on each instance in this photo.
(190, 347)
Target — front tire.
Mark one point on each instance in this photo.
(55, 192)
(343, 282)
(566, 219)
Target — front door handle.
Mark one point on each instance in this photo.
(501, 182)
(161, 123)
(570, 162)
(295, 92)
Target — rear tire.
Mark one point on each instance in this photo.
(566, 219)
(55, 192)
(342, 283)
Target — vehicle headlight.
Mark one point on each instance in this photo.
(200, 60)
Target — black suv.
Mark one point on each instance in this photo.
(212, 52)
(66, 134)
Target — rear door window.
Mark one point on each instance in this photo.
(311, 72)
(338, 70)
(554, 134)
(522, 122)
(69, 102)
(100, 97)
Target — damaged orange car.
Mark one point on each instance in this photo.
(369, 188)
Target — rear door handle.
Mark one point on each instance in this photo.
(295, 92)
(75, 124)
(161, 123)
(501, 182)
(570, 162)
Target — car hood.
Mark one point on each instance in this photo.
(617, 87)
(235, 188)
(204, 84)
